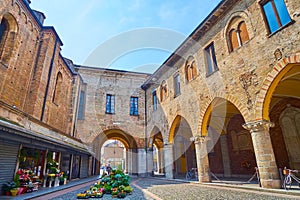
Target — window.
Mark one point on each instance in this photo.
(154, 99)
(211, 59)
(81, 105)
(58, 89)
(243, 33)
(163, 91)
(8, 34)
(177, 85)
(238, 36)
(110, 104)
(276, 14)
(3, 30)
(134, 106)
(190, 70)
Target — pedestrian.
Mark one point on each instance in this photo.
(108, 169)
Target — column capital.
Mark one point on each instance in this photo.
(198, 139)
(258, 125)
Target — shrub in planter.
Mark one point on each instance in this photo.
(7, 186)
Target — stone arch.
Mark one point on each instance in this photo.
(175, 122)
(269, 85)
(183, 156)
(205, 113)
(128, 141)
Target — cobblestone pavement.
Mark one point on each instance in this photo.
(151, 188)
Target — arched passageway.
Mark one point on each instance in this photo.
(129, 144)
(284, 112)
(156, 145)
(229, 146)
(184, 155)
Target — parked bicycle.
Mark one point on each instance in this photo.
(289, 177)
(192, 174)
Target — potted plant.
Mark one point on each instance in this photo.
(7, 186)
(14, 190)
(114, 192)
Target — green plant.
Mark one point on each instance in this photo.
(6, 186)
(17, 180)
(107, 189)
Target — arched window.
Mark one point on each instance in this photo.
(190, 69)
(163, 91)
(8, 35)
(234, 43)
(238, 34)
(4, 27)
(57, 89)
(243, 32)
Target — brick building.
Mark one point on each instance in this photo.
(36, 105)
(225, 101)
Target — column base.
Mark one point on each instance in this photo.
(204, 179)
(271, 183)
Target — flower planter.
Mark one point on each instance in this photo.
(14, 192)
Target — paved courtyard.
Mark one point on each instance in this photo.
(153, 188)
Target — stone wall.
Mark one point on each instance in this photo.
(248, 64)
(121, 84)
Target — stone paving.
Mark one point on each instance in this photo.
(153, 188)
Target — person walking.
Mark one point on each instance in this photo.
(108, 169)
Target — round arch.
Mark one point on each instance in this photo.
(13, 25)
(128, 141)
(281, 70)
(172, 129)
(228, 102)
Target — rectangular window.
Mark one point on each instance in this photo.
(134, 106)
(154, 99)
(211, 60)
(110, 104)
(177, 85)
(276, 14)
(81, 105)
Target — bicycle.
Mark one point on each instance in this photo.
(192, 174)
(288, 179)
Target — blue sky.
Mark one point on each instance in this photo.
(85, 26)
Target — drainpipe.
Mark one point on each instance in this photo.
(49, 79)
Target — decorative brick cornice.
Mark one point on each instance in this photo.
(260, 125)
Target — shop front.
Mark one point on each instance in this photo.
(29, 163)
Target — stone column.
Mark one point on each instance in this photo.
(150, 166)
(142, 162)
(129, 161)
(265, 158)
(202, 159)
(160, 160)
(225, 156)
(168, 151)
